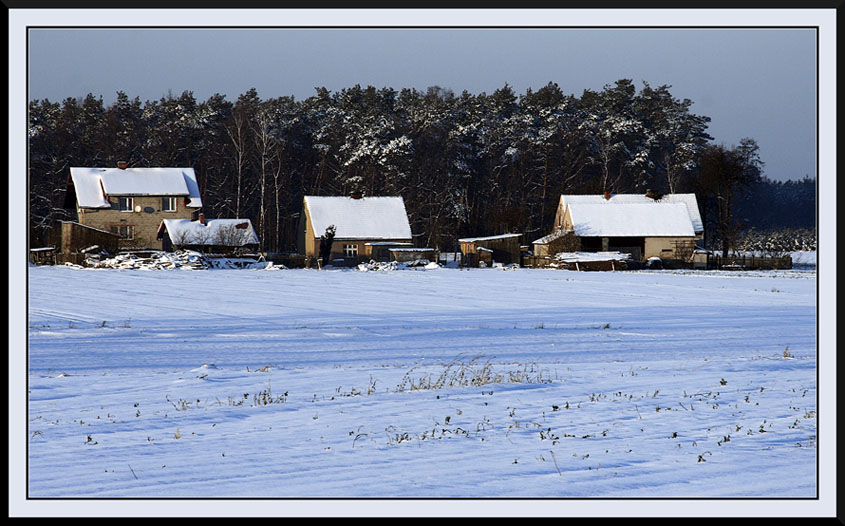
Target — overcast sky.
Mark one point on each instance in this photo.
(758, 83)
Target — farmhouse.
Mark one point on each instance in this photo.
(131, 202)
(646, 227)
(503, 248)
(366, 227)
(219, 236)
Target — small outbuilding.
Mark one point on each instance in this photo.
(558, 241)
(504, 248)
(382, 250)
(218, 236)
(72, 241)
(411, 254)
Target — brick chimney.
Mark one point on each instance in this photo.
(122, 165)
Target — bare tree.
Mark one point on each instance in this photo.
(724, 175)
(265, 152)
(236, 130)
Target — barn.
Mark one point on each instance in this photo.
(647, 198)
(643, 230)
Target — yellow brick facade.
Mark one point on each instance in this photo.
(144, 222)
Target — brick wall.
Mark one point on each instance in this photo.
(144, 223)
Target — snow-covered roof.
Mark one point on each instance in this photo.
(94, 185)
(631, 220)
(362, 218)
(388, 244)
(227, 232)
(687, 199)
(572, 257)
(550, 237)
(488, 238)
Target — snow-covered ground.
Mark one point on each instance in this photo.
(421, 383)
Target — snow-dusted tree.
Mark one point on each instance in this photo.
(615, 136)
(238, 130)
(212, 163)
(674, 136)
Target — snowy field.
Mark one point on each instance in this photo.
(421, 383)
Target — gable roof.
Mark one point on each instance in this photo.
(94, 185)
(363, 218)
(227, 232)
(630, 220)
(687, 199)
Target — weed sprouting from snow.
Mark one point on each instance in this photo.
(474, 373)
(266, 397)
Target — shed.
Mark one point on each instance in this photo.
(558, 241)
(381, 250)
(211, 236)
(504, 248)
(72, 238)
(405, 255)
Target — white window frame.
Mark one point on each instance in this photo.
(172, 204)
(126, 204)
(350, 251)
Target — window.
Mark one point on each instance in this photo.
(126, 232)
(168, 204)
(350, 251)
(125, 204)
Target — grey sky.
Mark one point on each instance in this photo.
(758, 83)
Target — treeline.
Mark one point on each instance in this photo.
(465, 164)
(773, 205)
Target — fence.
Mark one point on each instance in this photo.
(749, 262)
(42, 256)
(536, 261)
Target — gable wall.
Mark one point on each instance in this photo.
(663, 246)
